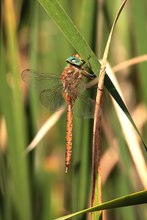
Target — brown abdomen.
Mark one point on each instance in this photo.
(68, 138)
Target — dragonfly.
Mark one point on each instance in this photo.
(68, 88)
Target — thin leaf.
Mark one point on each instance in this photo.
(128, 63)
(113, 91)
(63, 21)
(44, 129)
(96, 171)
(65, 24)
(129, 200)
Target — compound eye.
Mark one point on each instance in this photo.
(73, 61)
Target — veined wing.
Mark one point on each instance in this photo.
(40, 81)
(48, 87)
(84, 105)
(52, 98)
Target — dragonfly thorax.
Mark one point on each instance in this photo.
(70, 79)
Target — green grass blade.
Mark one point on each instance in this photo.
(88, 20)
(71, 32)
(105, 55)
(140, 34)
(96, 173)
(14, 115)
(113, 91)
(5, 212)
(84, 143)
(129, 200)
(63, 21)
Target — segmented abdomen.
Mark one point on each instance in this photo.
(68, 137)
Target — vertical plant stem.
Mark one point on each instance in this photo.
(18, 166)
(96, 189)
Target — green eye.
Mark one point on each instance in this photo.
(75, 60)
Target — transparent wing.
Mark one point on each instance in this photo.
(84, 105)
(40, 81)
(48, 87)
(52, 99)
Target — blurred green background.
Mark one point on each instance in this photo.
(35, 186)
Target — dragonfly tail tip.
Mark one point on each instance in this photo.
(66, 169)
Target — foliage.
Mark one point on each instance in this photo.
(35, 186)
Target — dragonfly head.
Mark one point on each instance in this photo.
(75, 60)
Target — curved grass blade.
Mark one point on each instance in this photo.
(96, 171)
(129, 200)
(63, 21)
(113, 91)
(66, 25)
